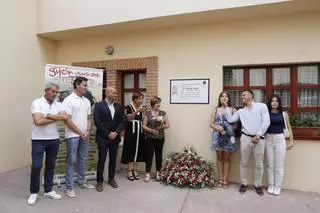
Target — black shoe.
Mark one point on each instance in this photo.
(99, 187)
(113, 183)
(243, 188)
(259, 190)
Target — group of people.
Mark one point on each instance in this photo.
(144, 137)
(264, 127)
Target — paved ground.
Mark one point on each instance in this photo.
(138, 196)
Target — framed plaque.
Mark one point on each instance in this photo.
(189, 91)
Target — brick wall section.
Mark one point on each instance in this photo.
(114, 69)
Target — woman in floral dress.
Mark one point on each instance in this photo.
(223, 138)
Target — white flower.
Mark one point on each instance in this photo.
(160, 118)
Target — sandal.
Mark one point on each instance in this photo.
(219, 183)
(225, 184)
(135, 175)
(130, 176)
(147, 178)
(158, 176)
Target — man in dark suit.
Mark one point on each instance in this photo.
(108, 119)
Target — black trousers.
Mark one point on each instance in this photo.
(103, 151)
(154, 146)
(39, 147)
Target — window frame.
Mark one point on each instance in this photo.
(294, 86)
(136, 86)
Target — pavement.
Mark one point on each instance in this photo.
(153, 197)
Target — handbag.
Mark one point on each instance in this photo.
(285, 130)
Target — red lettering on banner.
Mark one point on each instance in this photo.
(65, 72)
(59, 71)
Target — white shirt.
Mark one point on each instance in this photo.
(111, 108)
(255, 120)
(49, 131)
(78, 108)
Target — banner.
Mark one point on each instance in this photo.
(64, 77)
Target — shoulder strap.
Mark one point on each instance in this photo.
(284, 119)
(131, 107)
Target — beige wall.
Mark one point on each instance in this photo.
(22, 58)
(201, 51)
(53, 13)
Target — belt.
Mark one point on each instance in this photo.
(261, 137)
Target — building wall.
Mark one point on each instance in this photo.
(53, 13)
(201, 51)
(22, 57)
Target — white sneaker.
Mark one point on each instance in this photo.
(147, 178)
(277, 190)
(86, 186)
(71, 193)
(32, 199)
(270, 189)
(52, 195)
(158, 177)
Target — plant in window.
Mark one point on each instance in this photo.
(299, 121)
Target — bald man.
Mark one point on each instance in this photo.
(108, 119)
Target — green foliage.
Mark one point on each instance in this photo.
(310, 121)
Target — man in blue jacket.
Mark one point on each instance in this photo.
(108, 119)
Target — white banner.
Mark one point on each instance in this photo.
(64, 77)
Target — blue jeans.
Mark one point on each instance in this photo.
(51, 147)
(77, 154)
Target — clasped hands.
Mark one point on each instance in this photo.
(155, 131)
(112, 135)
(221, 130)
(85, 135)
(255, 139)
(141, 109)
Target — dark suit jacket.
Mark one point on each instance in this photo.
(104, 122)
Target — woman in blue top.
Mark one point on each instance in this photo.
(276, 144)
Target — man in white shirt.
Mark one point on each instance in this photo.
(255, 120)
(78, 109)
(45, 138)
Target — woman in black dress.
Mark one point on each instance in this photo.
(134, 139)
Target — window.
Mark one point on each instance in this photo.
(298, 85)
(134, 81)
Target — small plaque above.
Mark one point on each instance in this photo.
(189, 91)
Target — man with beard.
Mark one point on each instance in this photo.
(78, 109)
(255, 120)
